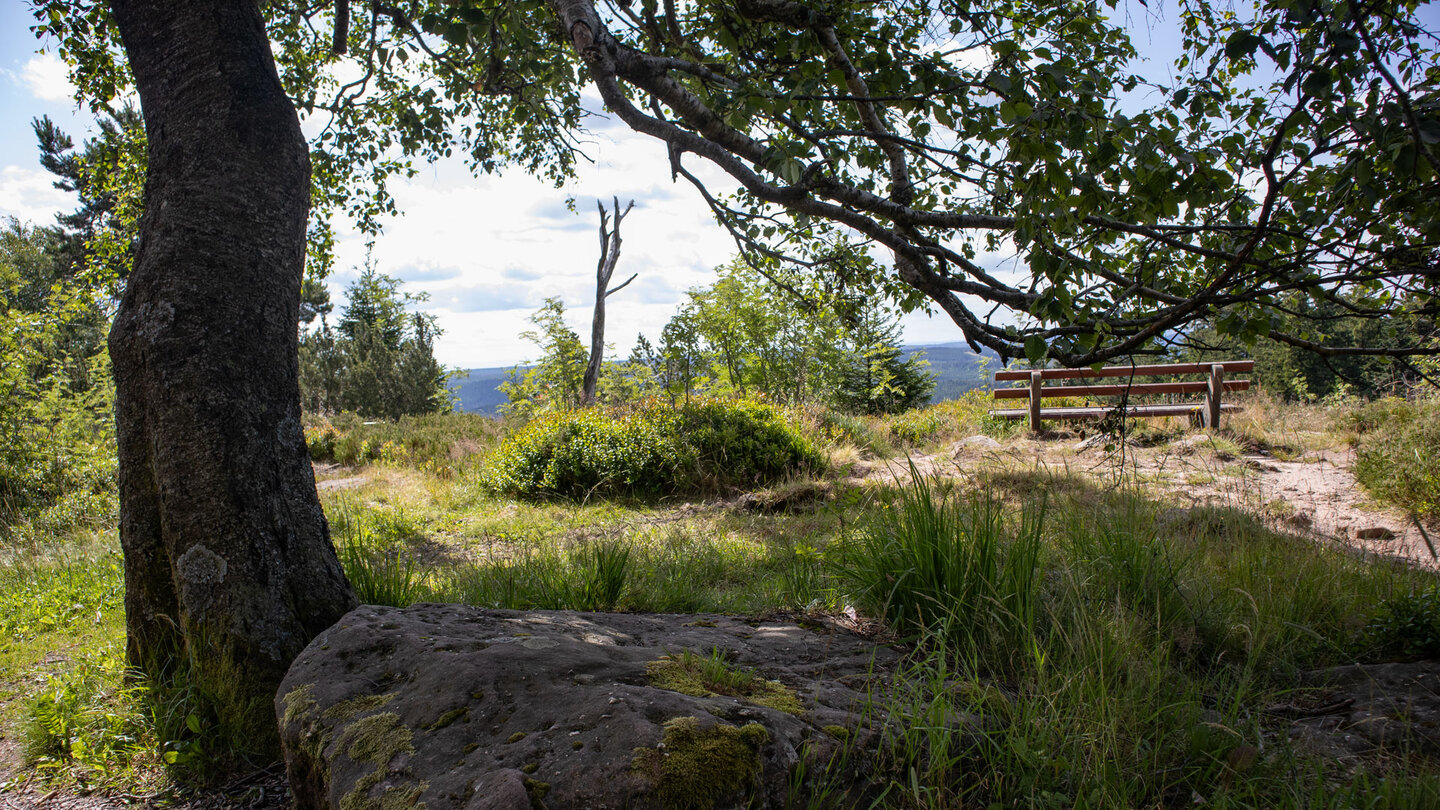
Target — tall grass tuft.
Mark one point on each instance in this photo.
(603, 569)
(593, 577)
(941, 560)
(373, 549)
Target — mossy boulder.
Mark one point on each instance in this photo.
(445, 706)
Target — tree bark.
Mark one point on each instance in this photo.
(604, 269)
(229, 570)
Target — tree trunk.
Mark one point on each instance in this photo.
(604, 269)
(229, 570)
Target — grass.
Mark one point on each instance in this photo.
(1395, 456)
(954, 566)
(1136, 682)
(63, 694)
(1076, 639)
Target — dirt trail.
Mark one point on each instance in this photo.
(1316, 497)
(1330, 504)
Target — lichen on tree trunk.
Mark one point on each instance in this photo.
(229, 570)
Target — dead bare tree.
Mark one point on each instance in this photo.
(604, 269)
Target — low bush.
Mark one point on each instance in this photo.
(57, 465)
(1395, 456)
(1408, 624)
(650, 451)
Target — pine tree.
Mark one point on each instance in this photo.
(379, 360)
(876, 377)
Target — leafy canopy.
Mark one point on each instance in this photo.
(1291, 149)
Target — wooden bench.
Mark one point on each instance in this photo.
(1206, 412)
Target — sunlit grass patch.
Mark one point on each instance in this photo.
(63, 690)
(439, 444)
(1156, 633)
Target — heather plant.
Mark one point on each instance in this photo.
(651, 451)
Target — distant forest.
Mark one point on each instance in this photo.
(957, 369)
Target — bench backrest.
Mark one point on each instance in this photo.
(1230, 367)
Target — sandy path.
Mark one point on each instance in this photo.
(1317, 497)
(1330, 504)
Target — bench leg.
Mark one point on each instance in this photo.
(1035, 379)
(1212, 396)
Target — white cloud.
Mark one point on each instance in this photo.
(48, 78)
(489, 250)
(30, 195)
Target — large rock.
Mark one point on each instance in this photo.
(448, 706)
(1392, 707)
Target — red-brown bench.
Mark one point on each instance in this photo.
(1206, 412)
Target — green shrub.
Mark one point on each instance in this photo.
(1409, 624)
(1395, 456)
(653, 450)
(57, 467)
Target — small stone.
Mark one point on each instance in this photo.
(976, 442)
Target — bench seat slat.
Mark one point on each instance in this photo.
(1138, 389)
(1102, 412)
(1231, 367)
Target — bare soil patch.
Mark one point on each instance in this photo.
(1316, 496)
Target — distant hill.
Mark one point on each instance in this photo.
(480, 391)
(956, 369)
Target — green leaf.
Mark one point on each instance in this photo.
(1241, 44)
(1035, 348)
(1318, 83)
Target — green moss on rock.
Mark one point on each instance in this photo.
(376, 740)
(298, 703)
(347, 710)
(686, 674)
(447, 718)
(537, 791)
(695, 768)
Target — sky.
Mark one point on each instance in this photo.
(487, 251)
